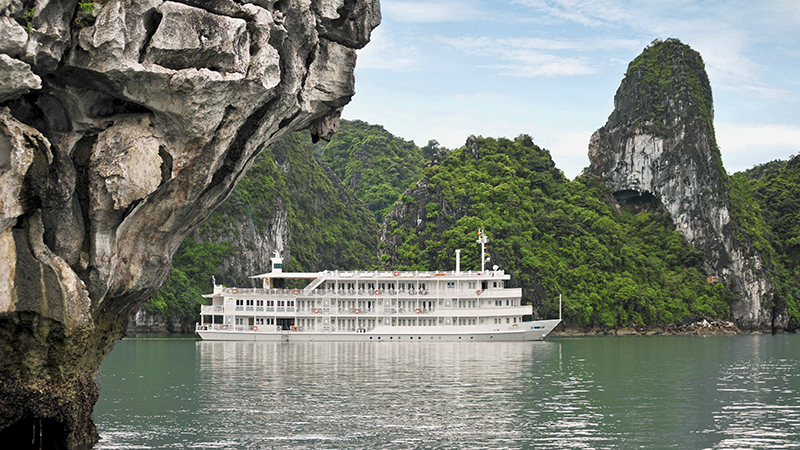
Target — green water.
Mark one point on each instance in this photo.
(736, 392)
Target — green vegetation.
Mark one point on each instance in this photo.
(758, 171)
(28, 16)
(374, 163)
(86, 14)
(615, 268)
(193, 266)
(776, 196)
(328, 227)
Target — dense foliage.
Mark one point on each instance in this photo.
(757, 171)
(377, 165)
(328, 227)
(192, 268)
(614, 267)
(777, 195)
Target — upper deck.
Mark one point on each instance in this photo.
(384, 284)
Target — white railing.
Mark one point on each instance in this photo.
(399, 293)
(226, 327)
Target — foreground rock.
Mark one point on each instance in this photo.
(121, 128)
(658, 151)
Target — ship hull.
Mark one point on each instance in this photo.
(525, 331)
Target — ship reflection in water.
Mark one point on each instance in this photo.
(682, 392)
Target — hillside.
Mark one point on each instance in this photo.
(614, 267)
(287, 201)
(375, 164)
(775, 195)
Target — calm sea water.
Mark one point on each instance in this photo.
(739, 392)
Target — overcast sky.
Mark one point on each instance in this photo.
(445, 69)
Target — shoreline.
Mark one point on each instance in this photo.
(700, 328)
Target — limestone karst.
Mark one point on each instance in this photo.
(122, 126)
(658, 149)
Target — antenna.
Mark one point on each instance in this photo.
(483, 242)
(559, 306)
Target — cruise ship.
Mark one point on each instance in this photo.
(381, 306)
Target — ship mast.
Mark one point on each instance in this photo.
(483, 242)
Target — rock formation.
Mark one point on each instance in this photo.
(658, 149)
(122, 125)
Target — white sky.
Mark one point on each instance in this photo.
(445, 69)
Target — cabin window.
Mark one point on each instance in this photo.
(281, 302)
(259, 321)
(240, 321)
(290, 303)
(508, 320)
(250, 302)
(472, 285)
(259, 302)
(494, 284)
(422, 286)
(451, 285)
(270, 302)
(239, 302)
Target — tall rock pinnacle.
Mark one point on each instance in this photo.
(122, 125)
(658, 149)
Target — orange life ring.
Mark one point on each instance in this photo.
(234, 290)
(478, 292)
(294, 328)
(397, 273)
(316, 310)
(255, 328)
(224, 326)
(377, 292)
(295, 292)
(417, 310)
(357, 311)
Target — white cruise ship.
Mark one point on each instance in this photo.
(373, 306)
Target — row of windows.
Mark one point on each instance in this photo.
(403, 286)
(248, 302)
(368, 303)
(372, 286)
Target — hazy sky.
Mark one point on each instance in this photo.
(445, 69)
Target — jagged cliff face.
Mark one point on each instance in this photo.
(312, 219)
(658, 150)
(121, 129)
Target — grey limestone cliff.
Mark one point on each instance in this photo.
(122, 126)
(658, 150)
